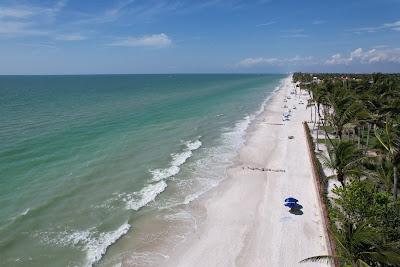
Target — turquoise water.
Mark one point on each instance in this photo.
(84, 160)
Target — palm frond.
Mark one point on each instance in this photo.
(362, 263)
(321, 258)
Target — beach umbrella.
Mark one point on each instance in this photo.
(291, 199)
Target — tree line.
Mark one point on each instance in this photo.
(356, 120)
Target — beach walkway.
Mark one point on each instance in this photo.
(247, 223)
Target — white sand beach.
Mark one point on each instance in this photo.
(247, 223)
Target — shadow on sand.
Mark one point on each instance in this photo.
(297, 210)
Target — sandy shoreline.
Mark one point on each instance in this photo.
(246, 223)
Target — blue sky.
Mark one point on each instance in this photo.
(177, 36)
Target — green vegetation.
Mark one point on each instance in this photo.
(359, 115)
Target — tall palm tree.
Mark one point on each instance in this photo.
(383, 175)
(311, 101)
(318, 99)
(389, 138)
(372, 120)
(345, 159)
(310, 104)
(344, 109)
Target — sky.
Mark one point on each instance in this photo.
(204, 36)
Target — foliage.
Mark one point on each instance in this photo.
(389, 138)
(361, 202)
(360, 114)
(366, 227)
(345, 159)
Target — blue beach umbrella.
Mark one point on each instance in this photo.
(291, 199)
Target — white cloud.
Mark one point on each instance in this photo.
(13, 12)
(155, 40)
(395, 26)
(269, 23)
(115, 11)
(380, 46)
(389, 55)
(26, 11)
(295, 31)
(54, 10)
(145, 11)
(17, 28)
(262, 61)
(296, 35)
(71, 37)
(27, 20)
(356, 54)
(250, 62)
(383, 54)
(337, 59)
(318, 22)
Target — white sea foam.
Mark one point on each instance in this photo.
(222, 156)
(93, 243)
(193, 145)
(140, 199)
(180, 158)
(96, 248)
(25, 212)
(18, 216)
(64, 238)
(210, 169)
(161, 174)
(137, 200)
(11, 220)
(177, 160)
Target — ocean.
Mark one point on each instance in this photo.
(105, 170)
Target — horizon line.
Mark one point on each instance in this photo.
(160, 73)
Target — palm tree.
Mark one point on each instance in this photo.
(311, 102)
(376, 109)
(344, 109)
(360, 246)
(318, 99)
(345, 159)
(389, 138)
(383, 175)
(373, 119)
